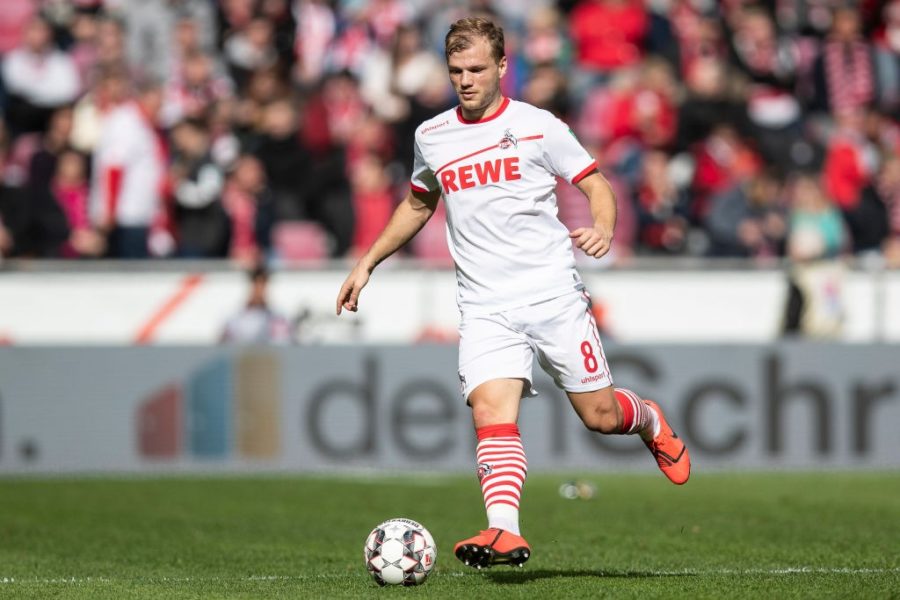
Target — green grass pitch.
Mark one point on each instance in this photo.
(811, 535)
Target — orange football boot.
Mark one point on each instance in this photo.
(493, 547)
(669, 451)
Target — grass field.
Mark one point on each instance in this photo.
(755, 535)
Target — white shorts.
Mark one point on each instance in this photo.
(561, 332)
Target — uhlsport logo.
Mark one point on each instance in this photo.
(229, 406)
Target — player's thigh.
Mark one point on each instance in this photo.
(489, 349)
(496, 401)
(567, 342)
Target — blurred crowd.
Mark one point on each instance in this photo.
(283, 129)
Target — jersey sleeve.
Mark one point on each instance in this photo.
(563, 153)
(423, 179)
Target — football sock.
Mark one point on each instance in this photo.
(501, 470)
(637, 417)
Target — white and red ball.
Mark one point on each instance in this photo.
(400, 552)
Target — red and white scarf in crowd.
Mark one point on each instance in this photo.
(848, 71)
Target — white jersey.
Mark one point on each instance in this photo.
(498, 177)
(128, 141)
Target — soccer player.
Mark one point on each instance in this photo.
(495, 162)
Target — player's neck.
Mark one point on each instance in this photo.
(485, 113)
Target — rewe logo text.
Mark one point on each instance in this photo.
(489, 171)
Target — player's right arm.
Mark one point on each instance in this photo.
(408, 218)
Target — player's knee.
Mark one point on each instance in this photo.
(485, 414)
(601, 419)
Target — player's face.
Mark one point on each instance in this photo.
(475, 76)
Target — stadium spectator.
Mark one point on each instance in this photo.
(316, 29)
(257, 322)
(697, 36)
(13, 208)
(868, 223)
(111, 52)
(69, 189)
(250, 49)
(815, 227)
(284, 27)
(110, 89)
(392, 76)
(58, 191)
(647, 111)
(816, 236)
(352, 45)
(371, 136)
(248, 202)
(42, 164)
(129, 175)
(285, 159)
(663, 210)
(546, 88)
(46, 230)
(84, 46)
(331, 201)
(747, 220)
(193, 88)
(225, 146)
(709, 102)
(373, 201)
(723, 161)
(200, 221)
(882, 131)
(772, 64)
(607, 35)
(152, 28)
(850, 160)
(545, 41)
(844, 73)
(877, 225)
(38, 78)
(265, 87)
(34, 224)
(887, 58)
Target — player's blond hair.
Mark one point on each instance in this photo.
(462, 36)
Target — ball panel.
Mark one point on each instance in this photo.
(393, 575)
(392, 550)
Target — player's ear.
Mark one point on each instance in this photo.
(502, 66)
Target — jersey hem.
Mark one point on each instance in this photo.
(531, 300)
(580, 389)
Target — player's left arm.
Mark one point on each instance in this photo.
(596, 240)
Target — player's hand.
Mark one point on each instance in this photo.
(348, 297)
(594, 241)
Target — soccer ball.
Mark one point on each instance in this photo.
(400, 551)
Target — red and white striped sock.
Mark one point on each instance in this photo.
(502, 468)
(637, 416)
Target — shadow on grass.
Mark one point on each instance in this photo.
(524, 576)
